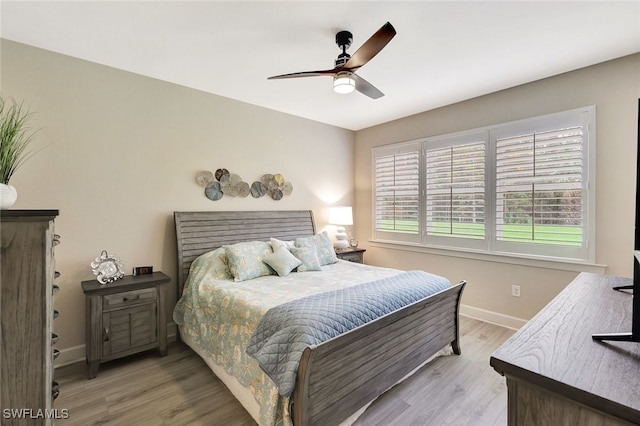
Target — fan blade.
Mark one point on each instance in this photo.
(366, 88)
(371, 47)
(304, 74)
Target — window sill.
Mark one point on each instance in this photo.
(534, 261)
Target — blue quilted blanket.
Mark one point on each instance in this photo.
(287, 329)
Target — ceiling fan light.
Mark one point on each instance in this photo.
(343, 83)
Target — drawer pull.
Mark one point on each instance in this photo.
(56, 353)
(56, 314)
(55, 390)
(56, 239)
(54, 338)
(131, 299)
(105, 334)
(55, 289)
(56, 275)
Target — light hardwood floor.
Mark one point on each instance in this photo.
(179, 389)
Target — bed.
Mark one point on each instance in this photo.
(335, 378)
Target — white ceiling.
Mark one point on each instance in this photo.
(444, 52)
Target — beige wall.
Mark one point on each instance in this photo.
(120, 153)
(614, 87)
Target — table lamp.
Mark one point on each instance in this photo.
(341, 216)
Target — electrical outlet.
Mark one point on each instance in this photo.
(515, 290)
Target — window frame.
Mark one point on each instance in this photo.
(586, 116)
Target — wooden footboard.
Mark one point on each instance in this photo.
(341, 375)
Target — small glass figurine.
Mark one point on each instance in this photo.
(107, 268)
(353, 242)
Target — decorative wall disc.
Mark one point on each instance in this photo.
(220, 173)
(243, 189)
(257, 189)
(214, 191)
(287, 188)
(205, 178)
(276, 194)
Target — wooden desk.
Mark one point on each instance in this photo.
(558, 375)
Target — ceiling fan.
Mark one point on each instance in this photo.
(345, 80)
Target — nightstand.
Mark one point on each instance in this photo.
(351, 254)
(125, 317)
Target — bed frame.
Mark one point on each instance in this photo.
(342, 375)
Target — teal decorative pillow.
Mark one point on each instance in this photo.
(308, 258)
(282, 261)
(323, 246)
(245, 260)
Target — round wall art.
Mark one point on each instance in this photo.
(222, 182)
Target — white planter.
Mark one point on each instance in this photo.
(8, 196)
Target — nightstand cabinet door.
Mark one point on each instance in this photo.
(129, 329)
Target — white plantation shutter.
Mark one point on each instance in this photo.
(455, 191)
(397, 180)
(539, 179)
(519, 188)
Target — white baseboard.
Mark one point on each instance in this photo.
(76, 354)
(502, 320)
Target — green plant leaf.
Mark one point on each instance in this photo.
(15, 137)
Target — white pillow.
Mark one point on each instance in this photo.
(282, 261)
(276, 244)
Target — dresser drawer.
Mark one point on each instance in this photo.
(129, 298)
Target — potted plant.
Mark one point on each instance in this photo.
(15, 137)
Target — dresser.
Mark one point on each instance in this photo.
(558, 375)
(27, 242)
(125, 317)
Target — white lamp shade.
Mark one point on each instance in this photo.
(340, 216)
(343, 83)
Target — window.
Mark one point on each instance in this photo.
(397, 171)
(455, 189)
(514, 188)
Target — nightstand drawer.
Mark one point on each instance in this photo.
(352, 257)
(129, 298)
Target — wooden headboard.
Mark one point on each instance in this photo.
(201, 232)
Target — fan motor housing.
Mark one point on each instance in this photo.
(344, 39)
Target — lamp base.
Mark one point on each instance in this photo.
(341, 242)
